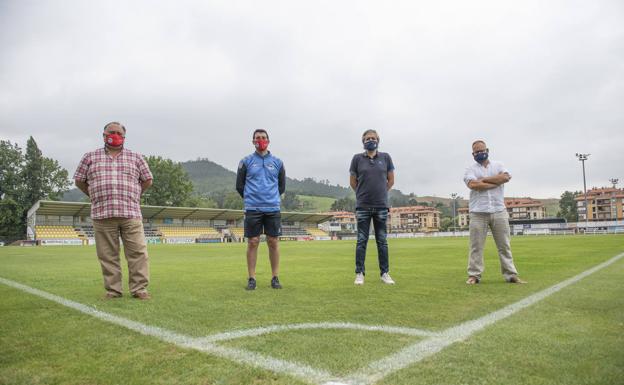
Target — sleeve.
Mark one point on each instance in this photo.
(390, 164)
(282, 180)
(353, 168)
(144, 170)
(469, 175)
(241, 176)
(83, 168)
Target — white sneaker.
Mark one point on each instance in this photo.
(359, 279)
(385, 278)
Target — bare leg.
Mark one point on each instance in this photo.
(273, 243)
(252, 255)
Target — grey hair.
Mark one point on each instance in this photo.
(370, 132)
(115, 123)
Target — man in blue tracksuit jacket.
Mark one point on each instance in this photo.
(260, 180)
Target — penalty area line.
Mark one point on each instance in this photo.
(414, 353)
(301, 371)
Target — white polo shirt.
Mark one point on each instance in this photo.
(486, 201)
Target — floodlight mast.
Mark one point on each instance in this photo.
(583, 157)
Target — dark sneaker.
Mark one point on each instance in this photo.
(275, 283)
(251, 284)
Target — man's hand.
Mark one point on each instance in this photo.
(498, 180)
(480, 185)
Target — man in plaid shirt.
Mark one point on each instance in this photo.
(114, 179)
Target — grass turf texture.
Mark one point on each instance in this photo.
(574, 336)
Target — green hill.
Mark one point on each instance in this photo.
(208, 177)
(315, 204)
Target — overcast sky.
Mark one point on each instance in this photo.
(538, 80)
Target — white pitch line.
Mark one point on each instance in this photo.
(373, 372)
(303, 372)
(414, 353)
(322, 325)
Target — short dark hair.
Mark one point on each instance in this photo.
(478, 141)
(259, 130)
(116, 123)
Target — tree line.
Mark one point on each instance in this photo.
(26, 177)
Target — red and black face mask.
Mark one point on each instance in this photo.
(114, 140)
(261, 144)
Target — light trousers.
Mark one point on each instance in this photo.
(498, 223)
(107, 234)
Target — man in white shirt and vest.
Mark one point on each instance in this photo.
(485, 179)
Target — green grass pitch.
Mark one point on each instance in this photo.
(575, 336)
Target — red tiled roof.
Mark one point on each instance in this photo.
(601, 193)
(414, 209)
(522, 202)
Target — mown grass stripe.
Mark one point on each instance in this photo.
(414, 353)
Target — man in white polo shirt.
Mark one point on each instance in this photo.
(485, 179)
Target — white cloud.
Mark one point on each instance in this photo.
(538, 80)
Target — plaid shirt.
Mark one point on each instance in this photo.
(114, 183)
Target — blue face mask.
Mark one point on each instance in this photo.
(371, 145)
(481, 157)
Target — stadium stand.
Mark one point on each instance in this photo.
(57, 232)
(292, 231)
(238, 232)
(316, 232)
(68, 223)
(189, 231)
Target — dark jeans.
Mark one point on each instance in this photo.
(379, 218)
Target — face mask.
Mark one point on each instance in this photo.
(481, 157)
(371, 145)
(262, 144)
(114, 140)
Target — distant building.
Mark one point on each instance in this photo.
(463, 217)
(518, 209)
(525, 208)
(603, 204)
(341, 221)
(414, 219)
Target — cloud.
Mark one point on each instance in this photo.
(538, 81)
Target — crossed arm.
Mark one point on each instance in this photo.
(489, 182)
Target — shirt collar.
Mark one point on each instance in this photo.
(268, 154)
(365, 154)
(107, 153)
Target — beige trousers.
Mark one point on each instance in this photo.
(107, 233)
(498, 223)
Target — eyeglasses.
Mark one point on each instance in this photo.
(480, 152)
